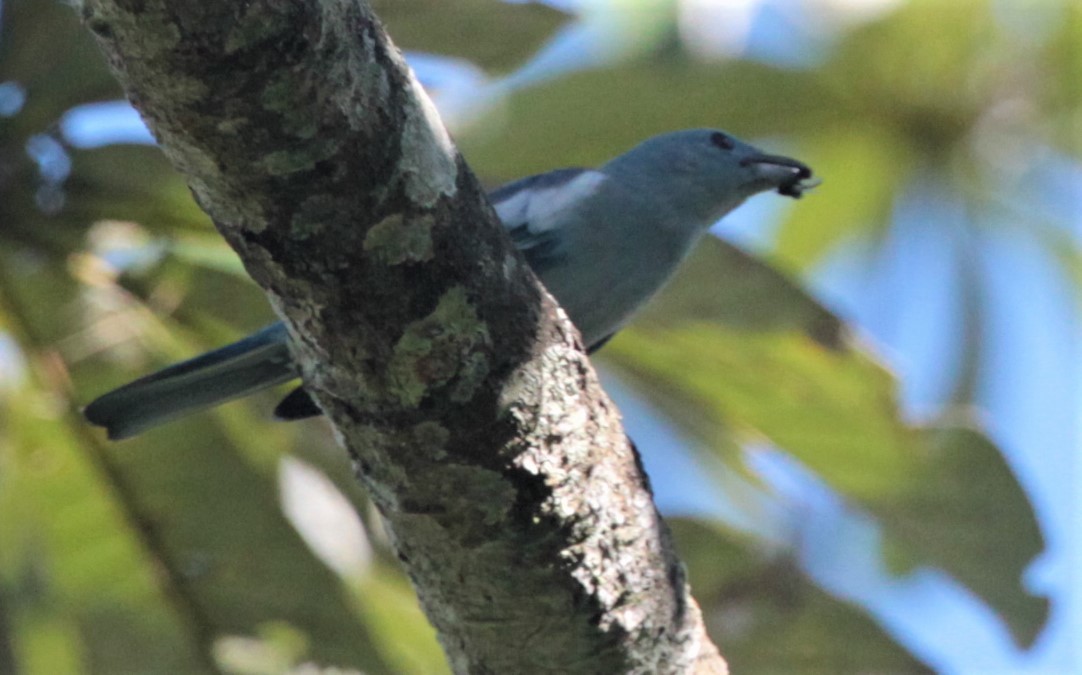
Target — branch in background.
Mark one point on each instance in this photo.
(475, 421)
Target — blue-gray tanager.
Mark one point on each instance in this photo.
(603, 241)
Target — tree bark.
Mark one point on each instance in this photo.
(475, 421)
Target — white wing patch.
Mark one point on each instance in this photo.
(539, 208)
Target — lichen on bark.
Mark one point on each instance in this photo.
(461, 392)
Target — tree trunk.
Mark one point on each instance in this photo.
(474, 419)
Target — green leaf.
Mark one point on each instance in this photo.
(862, 170)
(493, 34)
(130, 182)
(82, 589)
(758, 357)
(769, 618)
(744, 98)
(213, 502)
(45, 50)
(966, 513)
(151, 550)
(391, 609)
(210, 252)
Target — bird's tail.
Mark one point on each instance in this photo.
(258, 361)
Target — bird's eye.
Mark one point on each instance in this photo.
(721, 140)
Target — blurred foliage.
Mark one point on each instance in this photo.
(758, 357)
(522, 29)
(767, 618)
(171, 552)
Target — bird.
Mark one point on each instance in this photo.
(602, 241)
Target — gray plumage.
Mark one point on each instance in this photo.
(603, 241)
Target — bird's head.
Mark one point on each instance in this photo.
(709, 171)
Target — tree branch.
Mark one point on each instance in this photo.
(475, 421)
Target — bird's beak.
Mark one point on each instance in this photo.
(792, 178)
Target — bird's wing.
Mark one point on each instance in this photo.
(533, 209)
